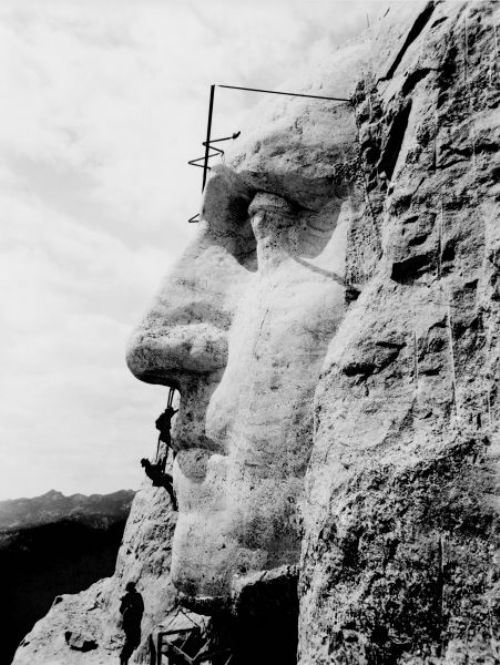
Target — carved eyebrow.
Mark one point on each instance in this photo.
(303, 194)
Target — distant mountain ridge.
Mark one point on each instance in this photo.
(52, 545)
(54, 506)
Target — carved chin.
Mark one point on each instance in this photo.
(202, 560)
(223, 538)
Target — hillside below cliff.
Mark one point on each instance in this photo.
(50, 545)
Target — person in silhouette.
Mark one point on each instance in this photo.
(160, 478)
(131, 609)
(164, 424)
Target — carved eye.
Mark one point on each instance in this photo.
(225, 200)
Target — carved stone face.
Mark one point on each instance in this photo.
(241, 327)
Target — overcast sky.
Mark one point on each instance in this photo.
(101, 106)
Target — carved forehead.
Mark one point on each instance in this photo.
(287, 135)
(295, 146)
(301, 153)
(305, 152)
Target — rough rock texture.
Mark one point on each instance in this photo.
(398, 561)
(333, 332)
(84, 628)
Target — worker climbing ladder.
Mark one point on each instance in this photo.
(155, 471)
(163, 425)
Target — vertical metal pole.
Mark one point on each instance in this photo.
(170, 396)
(159, 649)
(209, 132)
(152, 650)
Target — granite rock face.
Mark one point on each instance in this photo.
(333, 333)
(398, 562)
(84, 628)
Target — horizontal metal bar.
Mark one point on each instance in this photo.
(173, 631)
(279, 92)
(225, 138)
(217, 151)
(194, 162)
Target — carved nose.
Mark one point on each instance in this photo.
(184, 330)
(189, 358)
(160, 355)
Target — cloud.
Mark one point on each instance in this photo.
(102, 106)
